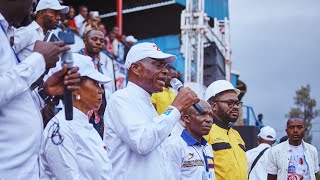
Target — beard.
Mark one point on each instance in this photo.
(225, 117)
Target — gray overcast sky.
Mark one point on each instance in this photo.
(276, 50)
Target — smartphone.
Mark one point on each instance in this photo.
(50, 37)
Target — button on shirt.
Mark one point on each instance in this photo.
(259, 171)
(81, 155)
(134, 134)
(279, 158)
(20, 118)
(229, 152)
(189, 159)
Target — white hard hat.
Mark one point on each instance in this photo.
(218, 87)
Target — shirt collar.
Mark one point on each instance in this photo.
(191, 140)
(289, 148)
(138, 90)
(79, 116)
(5, 25)
(220, 123)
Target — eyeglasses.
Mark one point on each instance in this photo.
(232, 103)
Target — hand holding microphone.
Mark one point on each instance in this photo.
(185, 98)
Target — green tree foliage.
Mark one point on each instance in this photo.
(304, 108)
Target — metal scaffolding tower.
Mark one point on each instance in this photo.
(196, 34)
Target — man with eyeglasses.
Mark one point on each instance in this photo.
(228, 147)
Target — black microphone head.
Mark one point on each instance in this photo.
(67, 59)
(176, 84)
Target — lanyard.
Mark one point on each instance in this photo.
(204, 157)
(18, 60)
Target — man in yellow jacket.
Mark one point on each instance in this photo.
(230, 160)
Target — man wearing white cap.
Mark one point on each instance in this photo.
(228, 147)
(258, 157)
(48, 17)
(134, 132)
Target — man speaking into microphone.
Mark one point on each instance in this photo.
(134, 132)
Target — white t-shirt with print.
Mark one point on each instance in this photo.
(298, 167)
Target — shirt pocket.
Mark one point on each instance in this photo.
(221, 146)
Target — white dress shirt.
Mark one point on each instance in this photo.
(81, 155)
(25, 38)
(187, 159)
(134, 134)
(20, 118)
(279, 157)
(259, 171)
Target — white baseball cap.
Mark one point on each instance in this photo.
(267, 133)
(144, 50)
(218, 87)
(51, 4)
(86, 68)
(131, 39)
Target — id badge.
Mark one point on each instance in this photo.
(205, 175)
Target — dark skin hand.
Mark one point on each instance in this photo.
(54, 85)
(50, 51)
(184, 99)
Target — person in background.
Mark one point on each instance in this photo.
(230, 160)
(134, 132)
(92, 22)
(109, 40)
(48, 17)
(94, 42)
(258, 157)
(162, 100)
(21, 122)
(81, 17)
(121, 48)
(72, 149)
(115, 42)
(102, 28)
(294, 158)
(130, 41)
(189, 156)
(72, 22)
(259, 122)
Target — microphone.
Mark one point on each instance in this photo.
(67, 95)
(177, 85)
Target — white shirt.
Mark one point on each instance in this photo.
(134, 134)
(187, 159)
(81, 155)
(279, 157)
(259, 171)
(79, 20)
(25, 38)
(298, 166)
(24, 41)
(20, 118)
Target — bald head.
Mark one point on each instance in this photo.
(197, 124)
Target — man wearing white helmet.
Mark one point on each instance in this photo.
(258, 157)
(228, 147)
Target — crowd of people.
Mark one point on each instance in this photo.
(143, 129)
